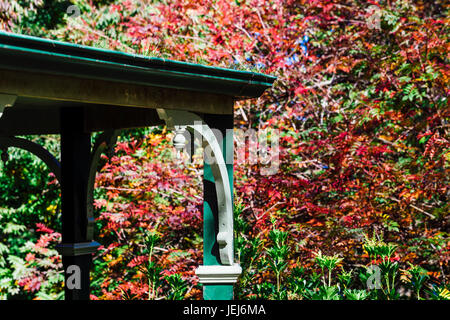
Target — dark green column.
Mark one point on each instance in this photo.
(210, 210)
(76, 249)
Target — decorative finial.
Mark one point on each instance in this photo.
(179, 140)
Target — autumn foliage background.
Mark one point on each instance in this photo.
(361, 104)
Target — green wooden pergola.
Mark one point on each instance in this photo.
(51, 87)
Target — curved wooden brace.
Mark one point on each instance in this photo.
(6, 100)
(219, 170)
(104, 143)
(36, 149)
(106, 140)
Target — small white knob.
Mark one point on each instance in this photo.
(179, 140)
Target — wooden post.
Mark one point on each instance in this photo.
(75, 248)
(211, 255)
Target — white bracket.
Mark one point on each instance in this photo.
(6, 100)
(192, 122)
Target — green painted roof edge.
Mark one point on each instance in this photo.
(21, 52)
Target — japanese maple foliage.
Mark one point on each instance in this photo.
(361, 105)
